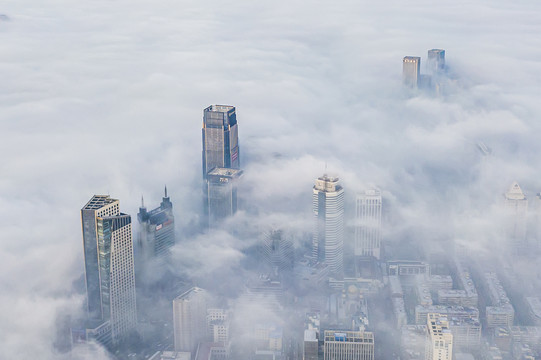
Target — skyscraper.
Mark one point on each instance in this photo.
(328, 236)
(436, 60)
(348, 345)
(190, 319)
(411, 70)
(222, 193)
(109, 265)
(220, 138)
(440, 339)
(277, 250)
(368, 223)
(156, 230)
(516, 205)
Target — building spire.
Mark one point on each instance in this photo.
(142, 201)
(165, 190)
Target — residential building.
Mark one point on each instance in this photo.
(440, 339)
(190, 319)
(348, 345)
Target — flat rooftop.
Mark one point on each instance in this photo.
(225, 172)
(98, 201)
(190, 294)
(220, 108)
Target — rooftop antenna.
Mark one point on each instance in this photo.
(142, 201)
(165, 190)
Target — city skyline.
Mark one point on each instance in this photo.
(106, 98)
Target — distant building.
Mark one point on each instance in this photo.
(440, 338)
(534, 308)
(459, 313)
(190, 319)
(436, 60)
(109, 265)
(368, 224)
(501, 313)
(348, 345)
(218, 325)
(411, 71)
(328, 236)
(220, 138)
(277, 250)
(156, 233)
(222, 194)
(413, 342)
(310, 348)
(408, 268)
(516, 205)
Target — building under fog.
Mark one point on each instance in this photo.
(220, 138)
(109, 267)
(277, 250)
(411, 71)
(222, 194)
(348, 345)
(156, 232)
(440, 339)
(368, 223)
(436, 61)
(190, 319)
(328, 236)
(516, 205)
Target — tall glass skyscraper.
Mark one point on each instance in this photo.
(109, 265)
(411, 71)
(328, 236)
(220, 138)
(221, 193)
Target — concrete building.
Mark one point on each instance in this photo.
(312, 336)
(190, 319)
(440, 339)
(222, 194)
(368, 224)
(440, 282)
(328, 236)
(411, 71)
(454, 312)
(408, 268)
(534, 308)
(466, 333)
(109, 265)
(218, 325)
(501, 311)
(468, 296)
(516, 205)
(348, 345)
(220, 138)
(422, 291)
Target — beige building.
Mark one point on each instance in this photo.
(190, 319)
(440, 339)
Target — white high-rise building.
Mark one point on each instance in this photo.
(348, 345)
(516, 205)
(368, 224)
(328, 236)
(190, 319)
(109, 265)
(440, 339)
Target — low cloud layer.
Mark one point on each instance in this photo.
(107, 97)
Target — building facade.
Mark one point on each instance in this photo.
(220, 138)
(411, 71)
(440, 339)
(348, 345)
(368, 224)
(222, 194)
(516, 205)
(436, 61)
(190, 319)
(156, 231)
(109, 265)
(328, 236)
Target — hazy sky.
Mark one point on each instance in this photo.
(107, 97)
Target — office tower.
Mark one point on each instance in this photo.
(220, 138)
(156, 231)
(368, 224)
(109, 265)
(218, 325)
(516, 205)
(328, 236)
(190, 319)
(277, 250)
(411, 69)
(436, 61)
(440, 339)
(222, 193)
(310, 348)
(348, 345)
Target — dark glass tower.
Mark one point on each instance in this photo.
(220, 138)
(222, 193)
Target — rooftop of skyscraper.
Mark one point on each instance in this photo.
(98, 201)
(219, 108)
(225, 172)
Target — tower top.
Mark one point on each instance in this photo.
(515, 192)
